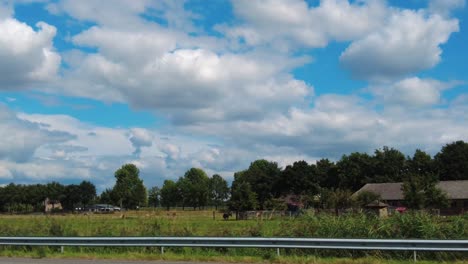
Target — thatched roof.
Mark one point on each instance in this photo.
(392, 191)
(376, 204)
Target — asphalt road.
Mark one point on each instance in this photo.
(81, 261)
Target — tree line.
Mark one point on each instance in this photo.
(264, 185)
(20, 198)
(326, 184)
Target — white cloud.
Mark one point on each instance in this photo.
(140, 138)
(445, 7)
(409, 43)
(412, 92)
(27, 56)
(288, 24)
(19, 139)
(5, 173)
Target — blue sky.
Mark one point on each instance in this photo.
(86, 86)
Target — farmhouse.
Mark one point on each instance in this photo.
(392, 194)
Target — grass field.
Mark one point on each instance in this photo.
(201, 223)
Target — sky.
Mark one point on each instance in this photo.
(87, 86)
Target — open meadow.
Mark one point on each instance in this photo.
(201, 223)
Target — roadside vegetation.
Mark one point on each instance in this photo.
(201, 223)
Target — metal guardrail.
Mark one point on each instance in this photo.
(243, 242)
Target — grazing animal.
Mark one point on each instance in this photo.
(227, 215)
(259, 214)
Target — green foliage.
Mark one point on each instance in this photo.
(154, 196)
(242, 196)
(366, 197)
(354, 171)
(416, 225)
(389, 164)
(339, 199)
(194, 187)
(420, 191)
(169, 194)
(300, 178)
(129, 190)
(327, 173)
(262, 176)
(18, 198)
(452, 161)
(219, 190)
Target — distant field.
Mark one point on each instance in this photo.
(201, 223)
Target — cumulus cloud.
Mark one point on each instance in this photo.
(140, 138)
(26, 56)
(19, 139)
(409, 43)
(187, 85)
(288, 24)
(445, 7)
(412, 92)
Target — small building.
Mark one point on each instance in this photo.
(377, 207)
(392, 194)
(52, 205)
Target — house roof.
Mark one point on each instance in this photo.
(392, 191)
(376, 204)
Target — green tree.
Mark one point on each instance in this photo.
(389, 165)
(420, 191)
(354, 170)
(72, 197)
(106, 197)
(129, 189)
(366, 197)
(262, 176)
(421, 163)
(219, 190)
(197, 187)
(452, 161)
(242, 196)
(339, 199)
(154, 196)
(169, 194)
(299, 178)
(327, 173)
(87, 192)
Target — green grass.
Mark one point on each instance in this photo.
(201, 223)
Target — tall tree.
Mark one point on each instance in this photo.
(242, 196)
(106, 197)
(327, 173)
(354, 170)
(154, 196)
(169, 194)
(219, 190)
(129, 188)
(420, 191)
(299, 178)
(452, 161)
(198, 187)
(262, 176)
(87, 192)
(389, 165)
(72, 197)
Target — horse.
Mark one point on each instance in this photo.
(227, 215)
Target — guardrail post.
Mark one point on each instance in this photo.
(414, 256)
(162, 250)
(61, 249)
(278, 252)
